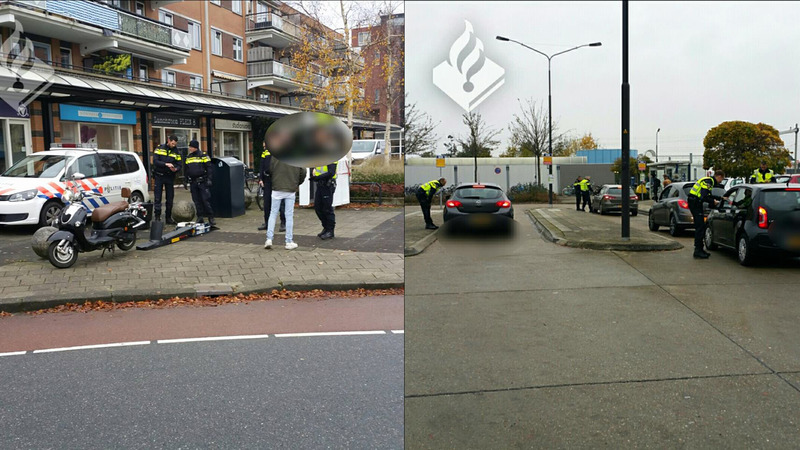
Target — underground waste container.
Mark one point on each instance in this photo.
(227, 189)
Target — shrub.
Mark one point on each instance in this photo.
(373, 171)
(528, 193)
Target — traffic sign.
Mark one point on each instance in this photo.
(439, 162)
(548, 160)
(642, 166)
(497, 170)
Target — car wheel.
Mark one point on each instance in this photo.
(651, 222)
(50, 212)
(601, 210)
(136, 197)
(674, 229)
(745, 251)
(635, 212)
(708, 239)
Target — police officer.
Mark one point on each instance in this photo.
(166, 162)
(701, 193)
(576, 189)
(762, 174)
(585, 191)
(265, 180)
(199, 173)
(425, 194)
(325, 176)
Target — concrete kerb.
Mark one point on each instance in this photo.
(420, 246)
(30, 303)
(553, 234)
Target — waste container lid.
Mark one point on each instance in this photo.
(226, 160)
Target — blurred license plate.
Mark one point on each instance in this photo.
(480, 220)
(793, 242)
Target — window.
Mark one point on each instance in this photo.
(140, 8)
(42, 51)
(236, 6)
(196, 83)
(216, 2)
(237, 49)
(130, 163)
(87, 165)
(168, 78)
(363, 38)
(216, 43)
(110, 164)
(66, 57)
(143, 72)
(377, 95)
(194, 33)
(165, 17)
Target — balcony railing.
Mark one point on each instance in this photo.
(264, 21)
(260, 54)
(105, 16)
(274, 68)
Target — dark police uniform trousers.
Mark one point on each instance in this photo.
(168, 182)
(323, 204)
(201, 196)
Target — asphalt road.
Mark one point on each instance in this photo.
(525, 343)
(279, 374)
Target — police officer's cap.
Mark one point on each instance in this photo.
(194, 144)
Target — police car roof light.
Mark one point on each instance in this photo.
(75, 146)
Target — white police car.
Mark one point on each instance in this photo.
(31, 189)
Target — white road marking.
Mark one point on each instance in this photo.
(413, 213)
(214, 338)
(398, 331)
(333, 333)
(12, 353)
(86, 347)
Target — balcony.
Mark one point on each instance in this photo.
(97, 26)
(273, 73)
(272, 29)
(260, 54)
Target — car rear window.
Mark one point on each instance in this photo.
(788, 200)
(618, 191)
(486, 192)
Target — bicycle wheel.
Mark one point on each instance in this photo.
(260, 198)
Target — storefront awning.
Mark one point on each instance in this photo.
(62, 84)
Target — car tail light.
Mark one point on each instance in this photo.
(793, 189)
(762, 217)
(633, 197)
(453, 204)
(503, 203)
(607, 197)
(683, 204)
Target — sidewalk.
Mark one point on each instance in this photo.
(366, 253)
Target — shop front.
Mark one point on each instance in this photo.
(104, 127)
(15, 135)
(232, 138)
(185, 128)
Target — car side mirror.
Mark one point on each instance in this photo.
(77, 176)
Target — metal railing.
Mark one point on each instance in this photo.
(260, 54)
(371, 192)
(111, 18)
(270, 20)
(274, 68)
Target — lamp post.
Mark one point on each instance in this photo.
(549, 101)
(657, 131)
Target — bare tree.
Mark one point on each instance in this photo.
(530, 132)
(418, 128)
(479, 142)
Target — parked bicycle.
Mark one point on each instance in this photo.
(250, 179)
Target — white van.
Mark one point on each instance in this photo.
(31, 189)
(366, 148)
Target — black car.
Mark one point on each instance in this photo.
(672, 209)
(483, 198)
(757, 220)
(609, 198)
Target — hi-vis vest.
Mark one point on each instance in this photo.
(698, 186)
(167, 152)
(265, 153)
(198, 160)
(431, 185)
(324, 169)
(577, 184)
(584, 185)
(763, 178)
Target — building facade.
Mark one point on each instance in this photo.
(125, 74)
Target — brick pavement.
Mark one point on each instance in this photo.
(367, 252)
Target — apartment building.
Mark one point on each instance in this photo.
(126, 74)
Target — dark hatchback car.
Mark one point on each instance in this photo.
(471, 199)
(757, 220)
(672, 209)
(609, 198)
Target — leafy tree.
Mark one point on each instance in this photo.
(114, 64)
(480, 140)
(419, 136)
(634, 165)
(738, 148)
(587, 142)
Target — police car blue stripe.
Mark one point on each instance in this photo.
(94, 203)
(103, 199)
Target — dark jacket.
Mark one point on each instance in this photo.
(286, 178)
(198, 165)
(327, 176)
(163, 155)
(264, 169)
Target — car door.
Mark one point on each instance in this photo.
(112, 178)
(724, 218)
(661, 208)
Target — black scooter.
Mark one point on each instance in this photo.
(114, 223)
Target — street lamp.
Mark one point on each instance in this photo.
(550, 99)
(657, 131)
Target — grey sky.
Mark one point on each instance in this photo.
(693, 65)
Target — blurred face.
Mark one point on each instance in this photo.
(763, 166)
(172, 144)
(719, 178)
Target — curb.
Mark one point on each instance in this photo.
(22, 304)
(632, 245)
(420, 246)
